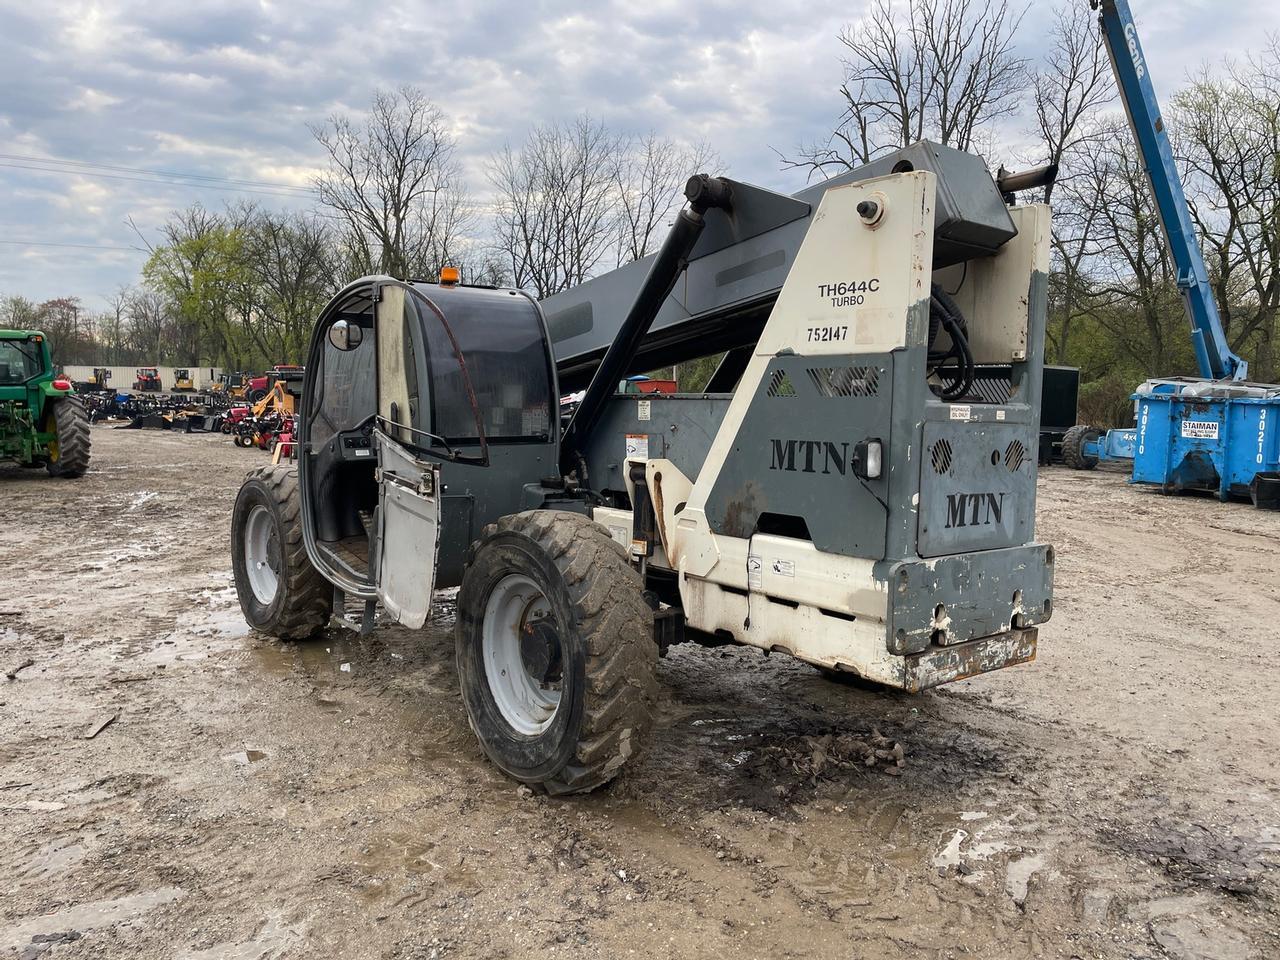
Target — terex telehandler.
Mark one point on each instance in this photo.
(855, 488)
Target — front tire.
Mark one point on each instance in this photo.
(280, 592)
(556, 656)
(69, 453)
(1073, 442)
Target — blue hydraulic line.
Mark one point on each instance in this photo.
(1213, 354)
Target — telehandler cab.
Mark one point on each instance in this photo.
(855, 488)
(42, 422)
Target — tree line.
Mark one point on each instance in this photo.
(948, 70)
(239, 287)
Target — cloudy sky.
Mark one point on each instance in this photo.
(225, 89)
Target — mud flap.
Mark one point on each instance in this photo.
(408, 530)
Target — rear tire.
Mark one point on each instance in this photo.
(280, 592)
(69, 454)
(559, 596)
(1073, 442)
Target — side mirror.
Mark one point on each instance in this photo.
(345, 336)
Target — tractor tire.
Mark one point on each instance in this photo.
(1073, 442)
(281, 593)
(551, 593)
(256, 396)
(69, 454)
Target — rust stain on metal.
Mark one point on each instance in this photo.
(965, 660)
(742, 512)
(657, 508)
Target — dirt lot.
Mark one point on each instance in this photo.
(1118, 798)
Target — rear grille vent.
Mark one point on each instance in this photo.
(1015, 455)
(940, 456)
(780, 384)
(845, 381)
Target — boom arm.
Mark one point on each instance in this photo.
(1213, 354)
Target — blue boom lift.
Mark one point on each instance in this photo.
(1216, 432)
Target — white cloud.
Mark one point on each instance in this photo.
(226, 88)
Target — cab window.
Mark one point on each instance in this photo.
(348, 393)
(506, 361)
(19, 361)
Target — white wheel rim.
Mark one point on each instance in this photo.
(527, 702)
(262, 554)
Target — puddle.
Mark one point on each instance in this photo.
(200, 634)
(975, 846)
(949, 856)
(37, 806)
(142, 498)
(328, 655)
(403, 854)
(273, 939)
(53, 858)
(115, 559)
(87, 916)
(245, 757)
(1018, 876)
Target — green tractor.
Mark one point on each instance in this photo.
(41, 422)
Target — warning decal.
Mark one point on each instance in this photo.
(638, 445)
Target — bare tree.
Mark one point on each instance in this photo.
(1068, 88)
(150, 322)
(113, 331)
(289, 266)
(938, 69)
(18, 313)
(556, 214)
(394, 185)
(1132, 294)
(1071, 84)
(1227, 133)
(651, 172)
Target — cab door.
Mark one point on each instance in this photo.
(408, 531)
(408, 515)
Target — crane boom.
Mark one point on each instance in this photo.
(1213, 354)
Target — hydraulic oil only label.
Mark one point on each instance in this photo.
(1200, 429)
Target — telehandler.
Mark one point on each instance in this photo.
(841, 492)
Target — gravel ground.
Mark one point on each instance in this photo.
(248, 799)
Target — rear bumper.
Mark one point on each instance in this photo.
(946, 601)
(940, 665)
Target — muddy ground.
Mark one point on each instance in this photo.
(1120, 797)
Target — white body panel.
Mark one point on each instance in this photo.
(780, 593)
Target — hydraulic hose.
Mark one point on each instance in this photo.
(944, 314)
